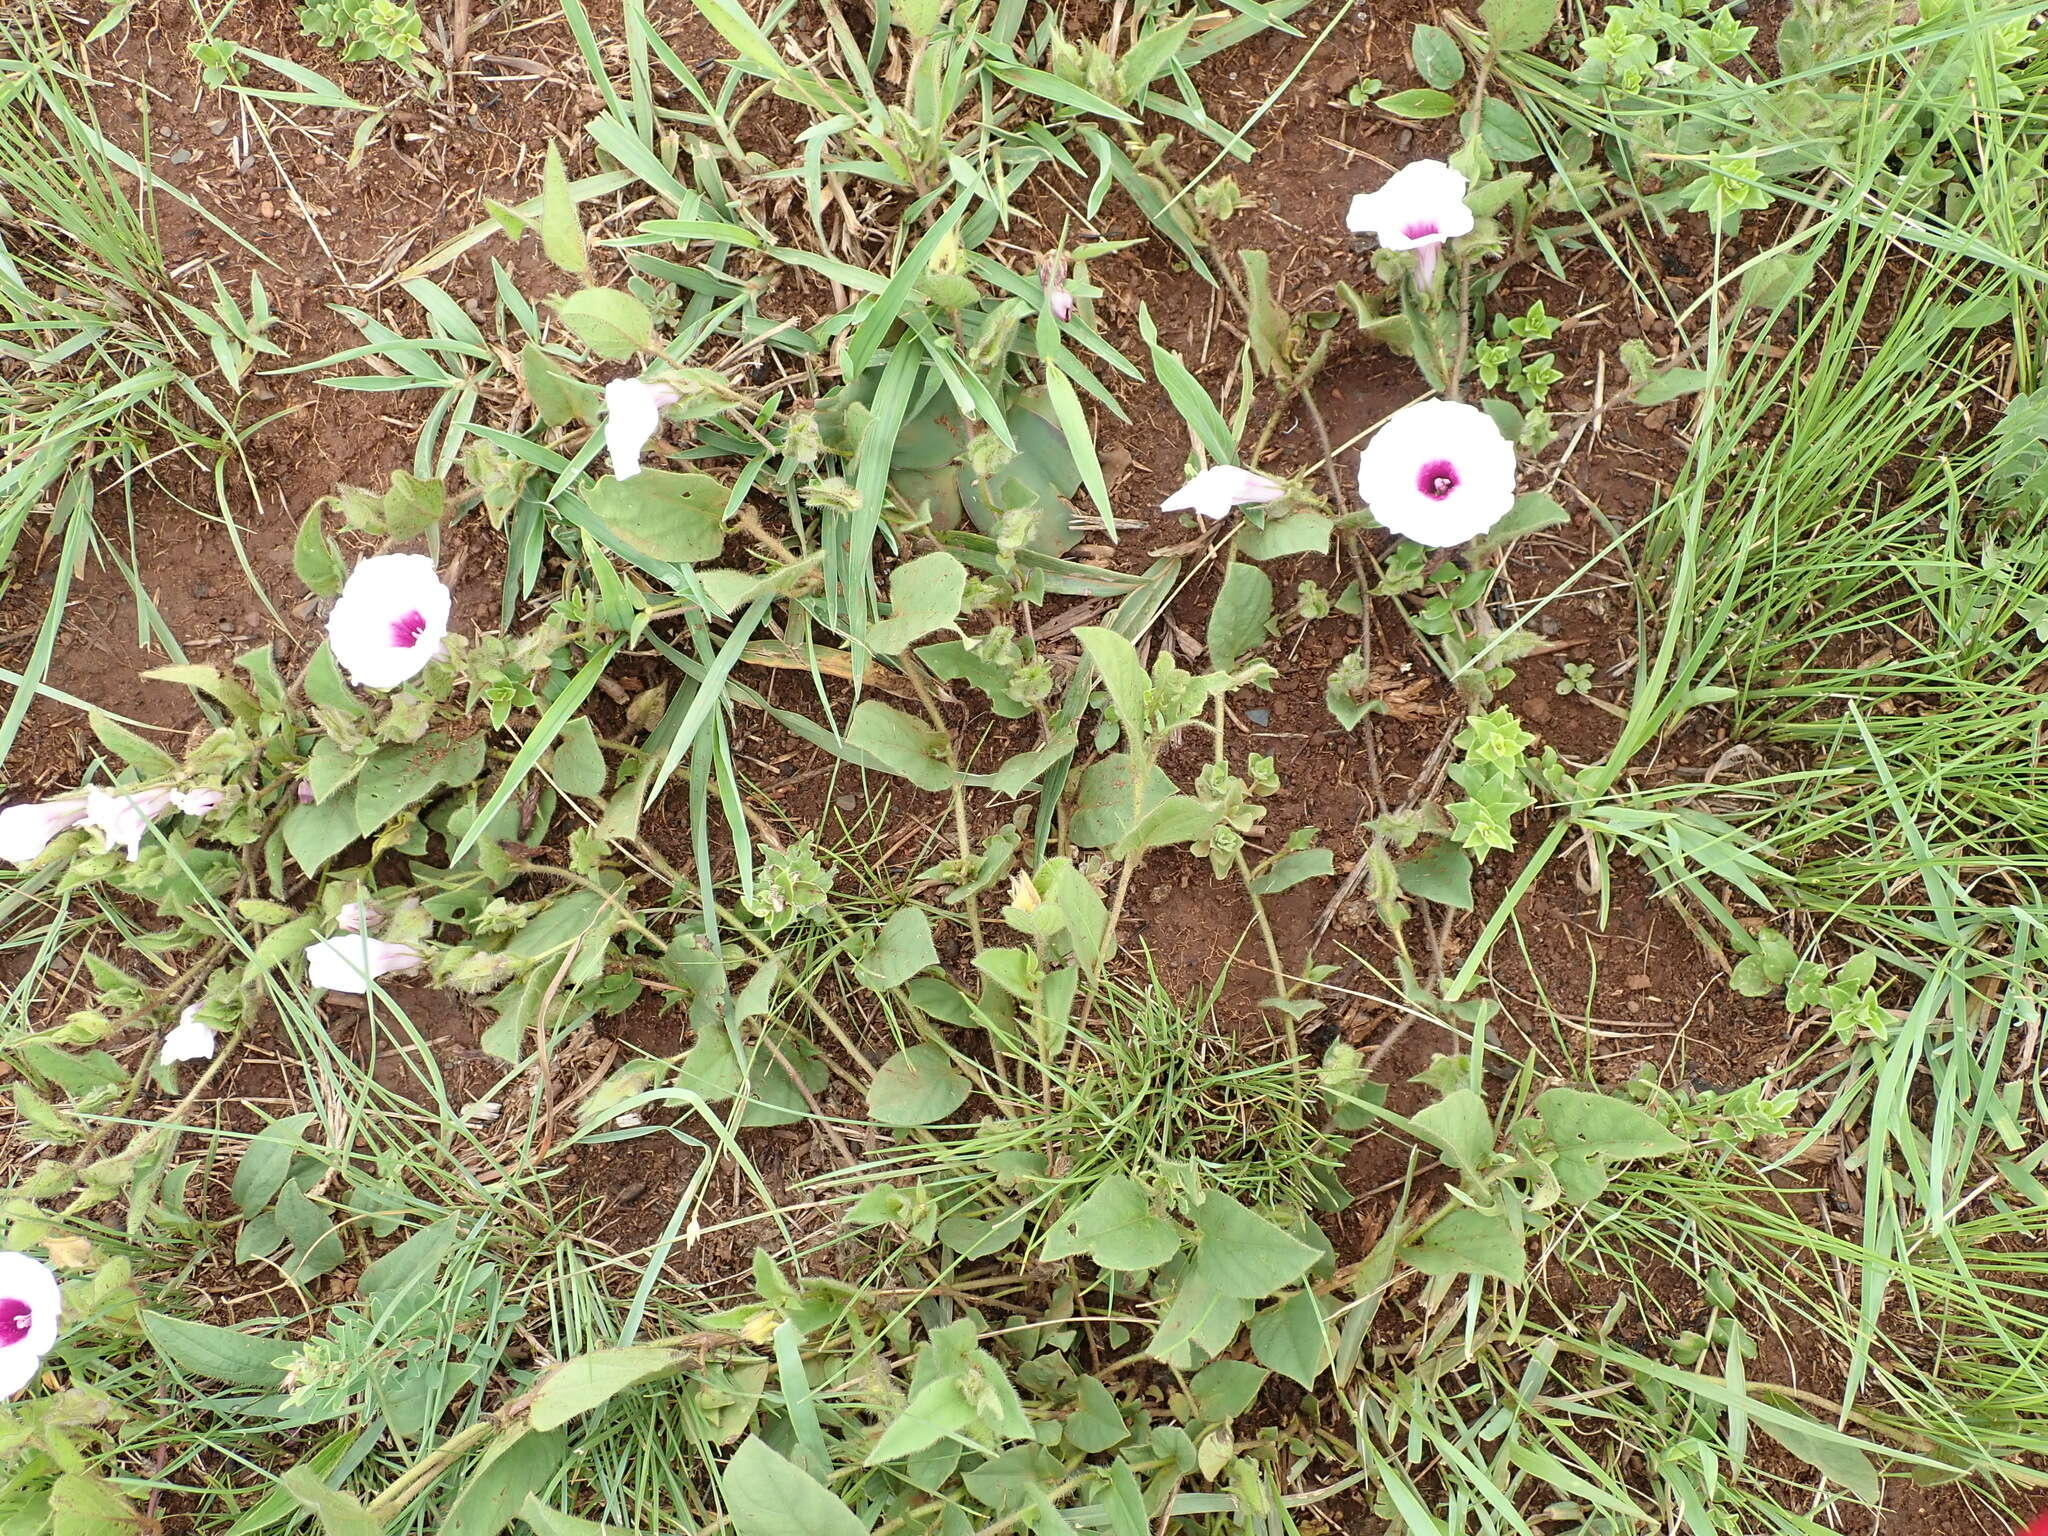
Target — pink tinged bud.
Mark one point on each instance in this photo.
(1216, 490)
(305, 791)
(358, 917)
(189, 1041)
(27, 829)
(349, 962)
(389, 621)
(31, 1304)
(1059, 301)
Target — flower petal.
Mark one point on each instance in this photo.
(33, 1284)
(349, 962)
(122, 815)
(389, 621)
(1420, 206)
(632, 415)
(27, 829)
(189, 1040)
(1438, 472)
(1220, 487)
(197, 802)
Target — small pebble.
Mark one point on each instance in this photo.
(180, 156)
(847, 803)
(1259, 717)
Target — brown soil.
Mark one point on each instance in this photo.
(1596, 970)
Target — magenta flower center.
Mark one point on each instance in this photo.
(1437, 479)
(1421, 230)
(406, 632)
(15, 1317)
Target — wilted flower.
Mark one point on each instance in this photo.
(27, 829)
(122, 815)
(389, 621)
(1438, 472)
(1420, 207)
(632, 415)
(29, 1305)
(349, 962)
(1052, 277)
(197, 802)
(189, 1041)
(1216, 490)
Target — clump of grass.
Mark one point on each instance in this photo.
(1157, 1088)
(97, 355)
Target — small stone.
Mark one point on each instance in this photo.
(847, 803)
(1640, 983)
(1159, 895)
(180, 156)
(217, 126)
(267, 209)
(1259, 717)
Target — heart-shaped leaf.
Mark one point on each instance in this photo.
(917, 1086)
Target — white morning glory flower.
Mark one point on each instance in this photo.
(632, 415)
(389, 621)
(1216, 490)
(30, 1302)
(189, 1041)
(1438, 472)
(349, 962)
(27, 829)
(1420, 207)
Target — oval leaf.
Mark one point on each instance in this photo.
(1418, 104)
(612, 324)
(916, 1086)
(664, 514)
(766, 1494)
(219, 1354)
(589, 1381)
